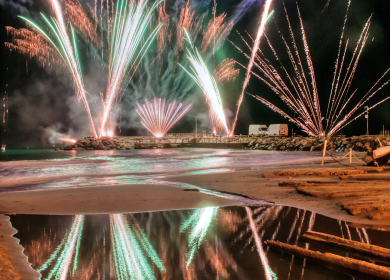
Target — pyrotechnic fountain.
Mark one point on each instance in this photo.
(126, 48)
(158, 117)
(256, 46)
(130, 23)
(200, 74)
(65, 47)
(115, 35)
(302, 98)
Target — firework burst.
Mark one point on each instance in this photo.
(200, 74)
(130, 23)
(256, 46)
(61, 42)
(225, 71)
(158, 117)
(299, 88)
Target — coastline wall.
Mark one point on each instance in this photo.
(299, 143)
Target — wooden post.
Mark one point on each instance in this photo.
(350, 155)
(323, 154)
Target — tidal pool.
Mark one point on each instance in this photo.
(206, 243)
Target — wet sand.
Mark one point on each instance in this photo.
(255, 182)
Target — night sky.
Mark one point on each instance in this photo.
(43, 97)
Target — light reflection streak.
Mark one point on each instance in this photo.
(259, 246)
(64, 253)
(132, 250)
(198, 223)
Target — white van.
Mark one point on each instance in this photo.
(278, 130)
(257, 129)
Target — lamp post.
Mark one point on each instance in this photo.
(196, 127)
(367, 108)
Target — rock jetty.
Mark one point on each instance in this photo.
(104, 143)
(335, 144)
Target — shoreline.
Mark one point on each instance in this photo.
(295, 186)
(249, 183)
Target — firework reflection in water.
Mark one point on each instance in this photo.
(132, 250)
(299, 88)
(67, 251)
(158, 117)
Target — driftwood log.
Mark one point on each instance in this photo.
(377, 252)
(357, 268)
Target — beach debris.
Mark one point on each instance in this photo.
(345, 265)
(363, 249)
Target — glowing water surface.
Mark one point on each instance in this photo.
(92, 168)
(208, 243)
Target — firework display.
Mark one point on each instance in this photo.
(260, 32)
(298, 89)
(130, 23)
(158, 117)
(207, 83)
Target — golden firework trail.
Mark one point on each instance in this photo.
(256, 46)
(158, 117)
(65, 46)
(200, 74)
(301, 95)
(225, 71)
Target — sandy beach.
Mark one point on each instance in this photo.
(270, 184)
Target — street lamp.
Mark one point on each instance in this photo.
(196, 127)
(366, 116)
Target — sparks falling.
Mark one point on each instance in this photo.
(158, 117)
(67, 49)
(256, 46)
(127, 49)
(225, 71)
(299, 89)
(200, 74)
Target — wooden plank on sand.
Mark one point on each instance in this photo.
(349, 266)
(341, 243)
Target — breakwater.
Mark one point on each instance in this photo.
(362, 143)
(335, 144)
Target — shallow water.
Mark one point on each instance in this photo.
(68, 168)
(209, 243)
